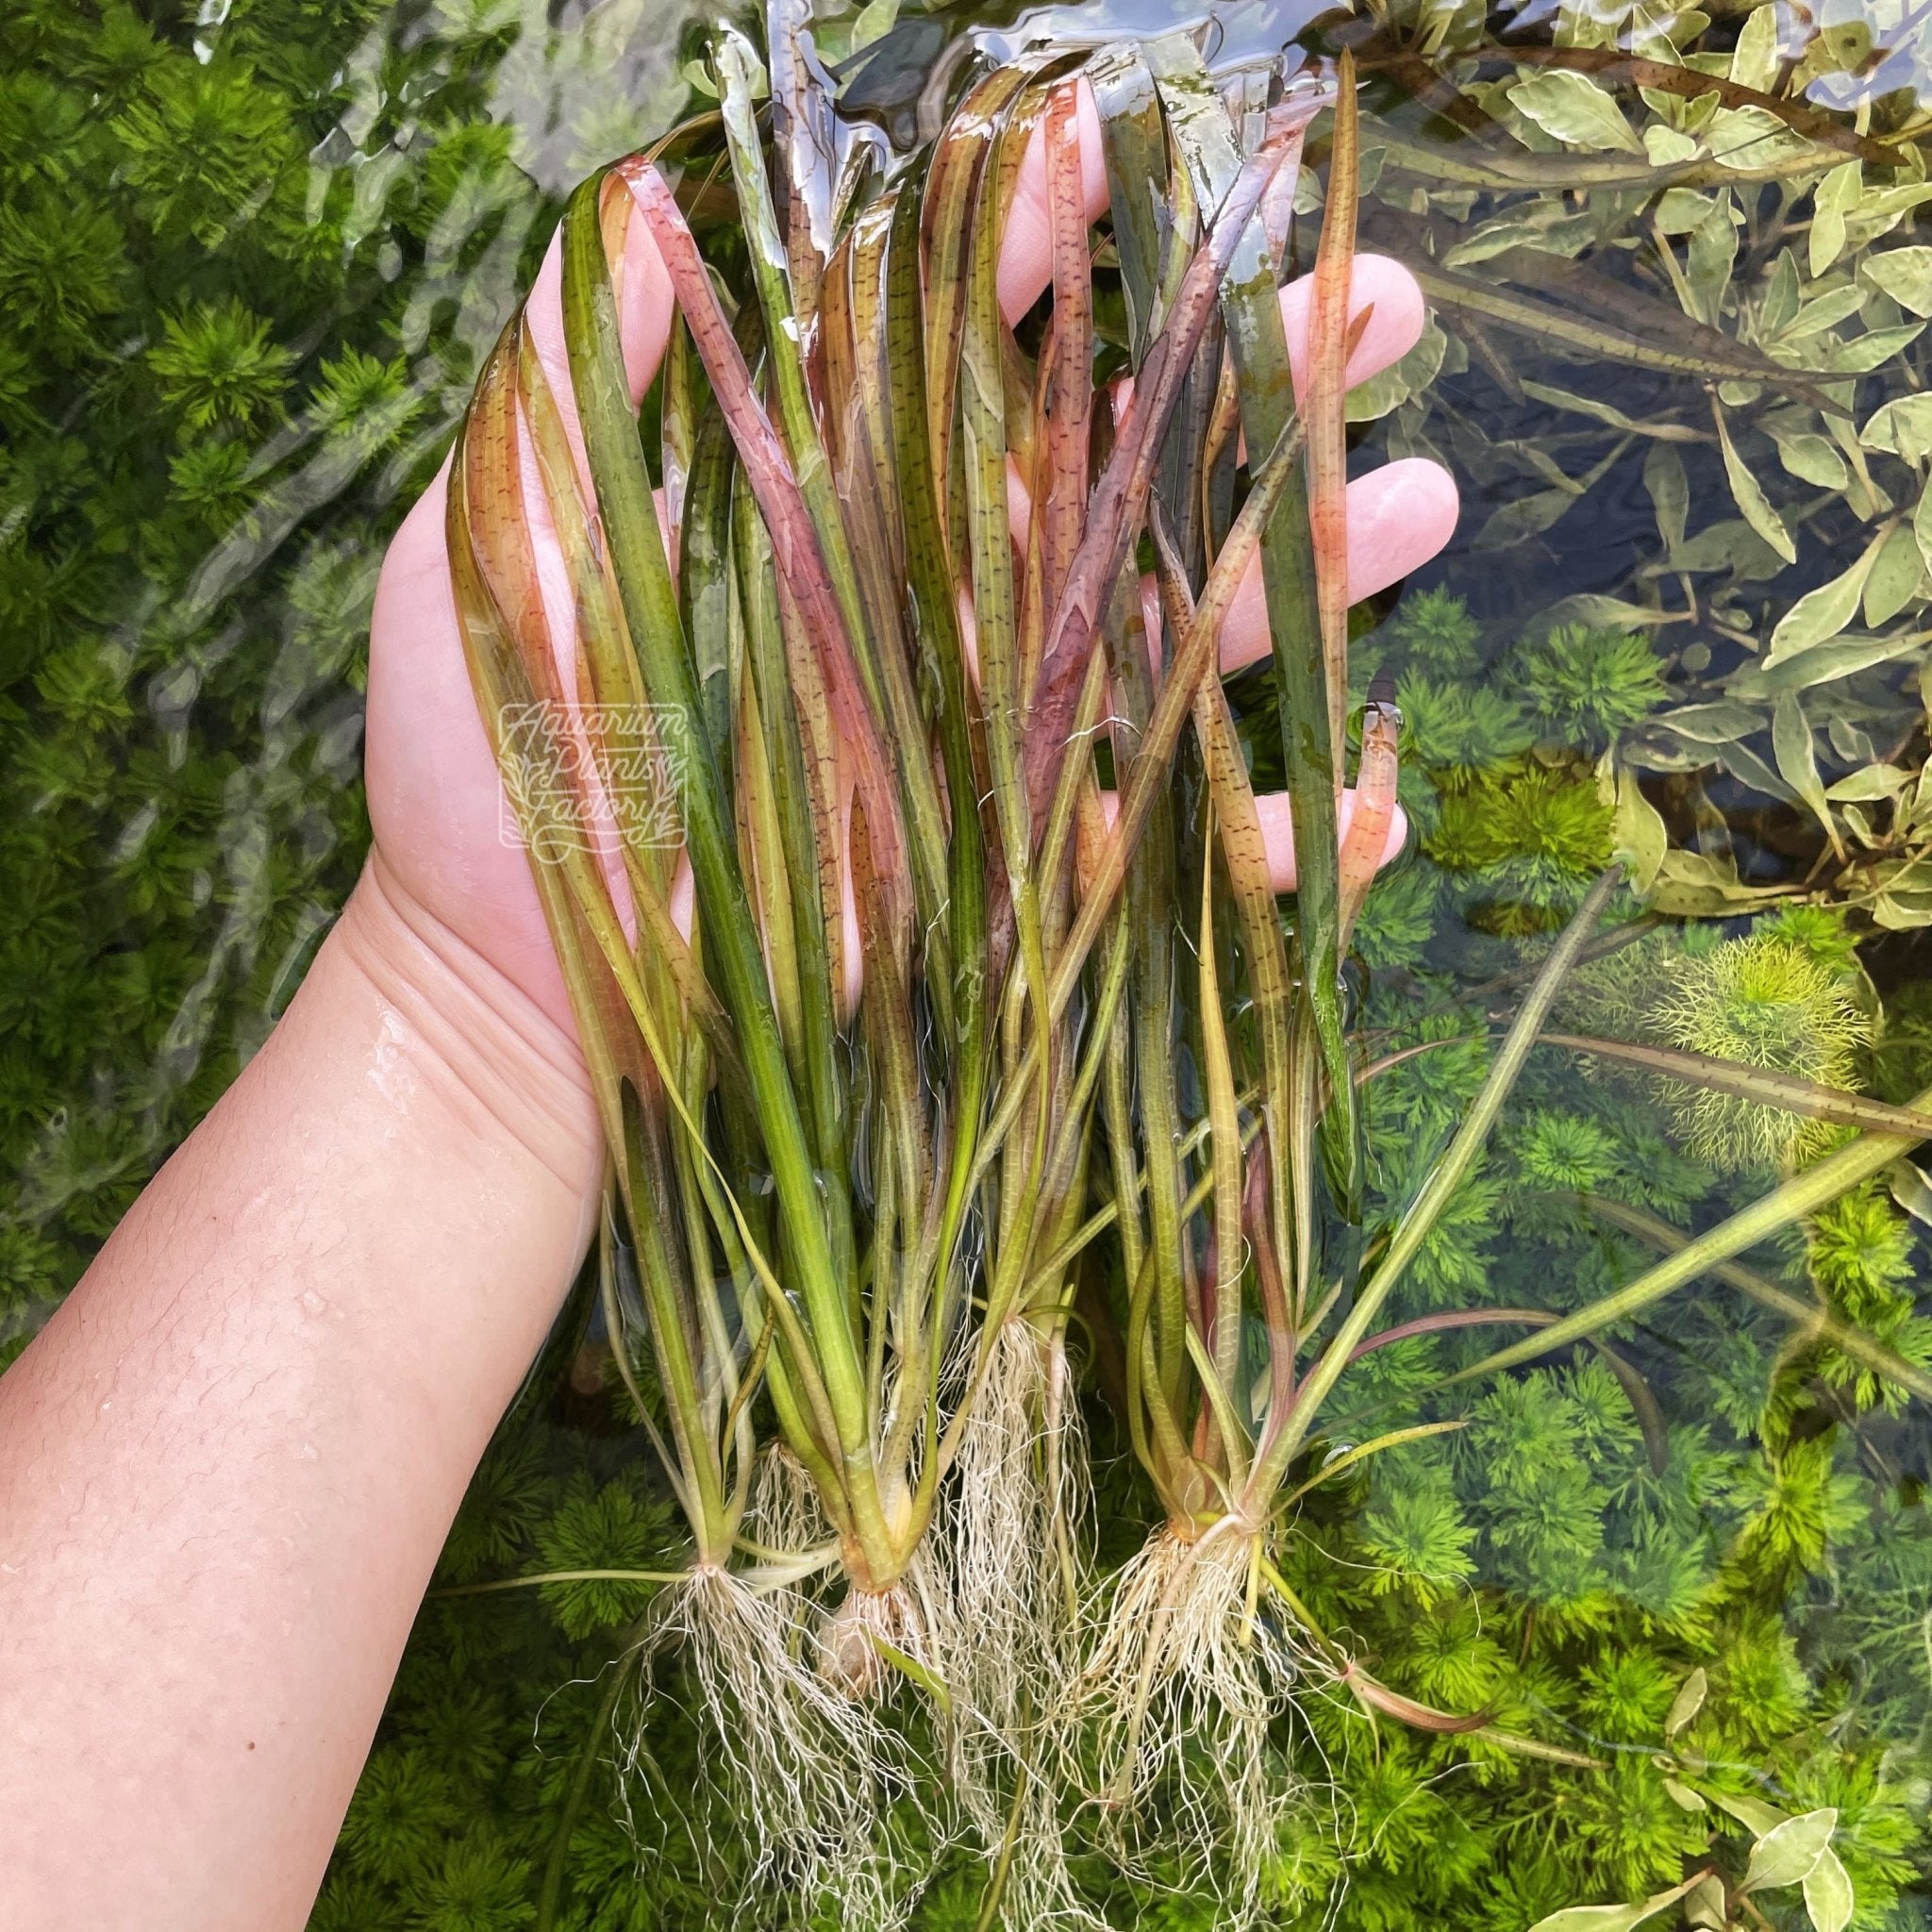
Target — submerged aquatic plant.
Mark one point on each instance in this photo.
(1761, 1002)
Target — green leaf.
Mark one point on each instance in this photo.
(1870, 351)
(1751, 138)
(1704, 1905)
(1754, 59)
(1767, 1086)
(1687, 1701)
(1810, 458)
(1907, 1184)
(1572, 109)
(1603, 411)
(1679, 211)
(1717, 723)
(1754, 1814)
(1787, 1853)
(1388, 389)
(1823, 613)
(1713, 254)
(1820, 313)
(1828, 1894)
(1904, 275)
(1903, 428)
(1523, 517)
(1822, 663)
(1638, 833)
(873, 22)
(1922, 525)
(1779, 307)
(1749, 494)
(1670, 492)
(1797, 761)
(1894, 579)
(1614, 1918)
(1834, 196)
(1873, 781)
(1666, 147)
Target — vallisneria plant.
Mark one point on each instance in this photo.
(253, 265)
(865, 1231)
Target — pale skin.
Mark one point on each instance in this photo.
(228, 1462)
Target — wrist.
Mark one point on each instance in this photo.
(456, 1025)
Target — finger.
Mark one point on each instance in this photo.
(1399, 517)
(1377, 283)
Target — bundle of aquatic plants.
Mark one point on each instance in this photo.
(905, 864)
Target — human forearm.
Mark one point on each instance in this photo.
(226, 1466)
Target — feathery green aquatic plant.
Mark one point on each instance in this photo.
(1763, 1002)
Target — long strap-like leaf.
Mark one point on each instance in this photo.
(1804, 1194)
(1440, 1187)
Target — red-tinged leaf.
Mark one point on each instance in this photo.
(1374, 803)
(1152, 765)
(1119, 501)
(484, 472)
(1325, 408)
(1450, 1319)
(1069, 374)
(1259, 1218)
(805, 133)
(1421, 1716)
(952, 188)
(795, 543)
(615, 715)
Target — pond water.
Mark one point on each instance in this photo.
(251, 260)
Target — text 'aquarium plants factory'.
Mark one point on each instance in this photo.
(1221, 723)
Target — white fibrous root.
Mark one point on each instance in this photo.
(1020, 1472)
(1182, 1685)
(785, 1513)
(1021, 1475)
(873, 1640)
(808, 1772)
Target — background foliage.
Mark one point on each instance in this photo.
(248, 258)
